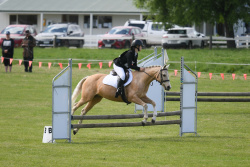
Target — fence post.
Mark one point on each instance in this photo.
(210, 42)
(54, 41)
(247, 41)
(237, 41)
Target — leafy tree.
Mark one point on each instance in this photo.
(183, 12)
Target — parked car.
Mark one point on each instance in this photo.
(185, 32)
(45, 38)
(118, 34)
(17, 32)
(152, 31)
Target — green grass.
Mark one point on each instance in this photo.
(26, 107)
(197, 59)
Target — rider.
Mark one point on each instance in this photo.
(125, 61)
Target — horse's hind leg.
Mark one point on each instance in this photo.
(88, 107)
(77, 105)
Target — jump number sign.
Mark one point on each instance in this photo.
(49, 130)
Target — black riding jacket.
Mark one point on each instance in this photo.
(127, 59)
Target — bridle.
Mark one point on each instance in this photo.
(162, 80)
(159, 73)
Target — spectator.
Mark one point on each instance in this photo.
(7, 51)
(27, 44)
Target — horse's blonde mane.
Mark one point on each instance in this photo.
(153, 66)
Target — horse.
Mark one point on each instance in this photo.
(93, 90)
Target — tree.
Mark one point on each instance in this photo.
(183, 12)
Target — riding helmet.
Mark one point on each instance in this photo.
(137, 42)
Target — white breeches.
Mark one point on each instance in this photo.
(119, 71)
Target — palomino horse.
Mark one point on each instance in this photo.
(93, 90)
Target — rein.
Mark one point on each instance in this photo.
(148, 74)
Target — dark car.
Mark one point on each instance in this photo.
(45, 38)
(116, 37)
(17, 32)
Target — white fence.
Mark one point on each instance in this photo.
(92, 40)
(241, 41)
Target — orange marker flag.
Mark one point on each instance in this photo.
(210, 75)
(100, 64)
(245, 76)
(199, 74)
(2, 58)
(222, 75)
(30, 63)
(20, 62)
(49, 65)
(11, 61)
(40, 64)
(61, 66)
(233, 75)
(89, 65)
(110, 63)
(175, 72)
(80, 65)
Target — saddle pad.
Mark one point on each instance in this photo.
(112, 80)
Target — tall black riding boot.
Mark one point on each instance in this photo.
(120, 87)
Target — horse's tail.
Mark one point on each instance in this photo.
(77, 91)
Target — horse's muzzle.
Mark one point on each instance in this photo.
(168, 88)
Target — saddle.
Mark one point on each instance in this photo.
(123, 95)
(126, 75)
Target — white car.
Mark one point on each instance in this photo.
(185, 37)
(152, 31)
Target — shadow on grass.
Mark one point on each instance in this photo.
(150, 139)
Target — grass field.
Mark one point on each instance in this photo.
(26, 107)
(197, 59)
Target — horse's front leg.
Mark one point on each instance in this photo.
(139, 101)
(145, 107)
(149, 101)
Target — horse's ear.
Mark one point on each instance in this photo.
(166, 66)
(166, 61)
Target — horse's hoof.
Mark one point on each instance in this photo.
(153, 121)
(74, 132)
(143, 123)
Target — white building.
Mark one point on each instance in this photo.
(94, 16)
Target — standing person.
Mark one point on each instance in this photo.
(125, 61)
(27, 44)
(8, 51)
